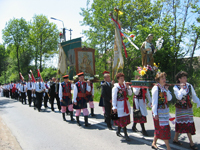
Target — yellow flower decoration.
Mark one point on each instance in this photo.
(142, 72)
(154, 64)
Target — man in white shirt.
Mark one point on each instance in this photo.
(39, 90)
(30, 87)
(23, 90)
(46, 97)
(10, 89)
(7, 89)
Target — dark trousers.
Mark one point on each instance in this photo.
(52, 97)
(46, 97)
(39, 100)
(11, 96)
(29, 92)
(7, 93)
(108, 113)
(23, 96)
(16, 95)
(34, 102)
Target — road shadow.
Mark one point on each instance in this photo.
(97, 116)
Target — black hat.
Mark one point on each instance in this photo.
(46, 80)
(58, 78)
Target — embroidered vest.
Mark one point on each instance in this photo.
(81, 89)
(161, 99)
(120, 94)
(66, 89)
(186, 100)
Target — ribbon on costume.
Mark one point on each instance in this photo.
(125, 101)
(143, 94)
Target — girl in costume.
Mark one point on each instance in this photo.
(139, 102)
(184, 93)
(160, 97)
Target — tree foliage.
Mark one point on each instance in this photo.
(168, 18)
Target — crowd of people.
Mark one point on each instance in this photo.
(115, 103)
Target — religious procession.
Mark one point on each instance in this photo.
(73, 89)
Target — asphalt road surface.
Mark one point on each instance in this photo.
(46, 130)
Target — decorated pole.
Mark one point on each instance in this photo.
(32, 76)
(21, 77)
(39, 75)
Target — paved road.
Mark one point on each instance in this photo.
(46, 131)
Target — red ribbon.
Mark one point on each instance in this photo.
(188, 100)
(143, 94)
(125, 101)
(121, 34)
(165, 96)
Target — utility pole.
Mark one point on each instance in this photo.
(70, 30)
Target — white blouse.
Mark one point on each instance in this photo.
(155, 98)
(140, 103)
(180, 93)
(119, 105)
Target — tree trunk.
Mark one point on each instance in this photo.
(41, 55)
(17, 50)
(191, 58)
(176, 51)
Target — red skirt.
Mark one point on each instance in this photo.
(161, 132)
(142, 119)
(185, 128)
(122, 121)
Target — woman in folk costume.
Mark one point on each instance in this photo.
(160, 97)
(139, 102)
(184, 114)
(121, 104)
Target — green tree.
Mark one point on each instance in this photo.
(44, 38)
(16, 34)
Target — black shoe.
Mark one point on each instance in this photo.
(110, 128)
(153, 147)
(134, 129)
(39, 110)
(63, 115)
(77, 119)
(92, 112)
(118, 132)
(29, 105)
(34, 108)
(86, 121)
(71, 115)
(126, 135)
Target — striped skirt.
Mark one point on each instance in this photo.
(184, 121)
